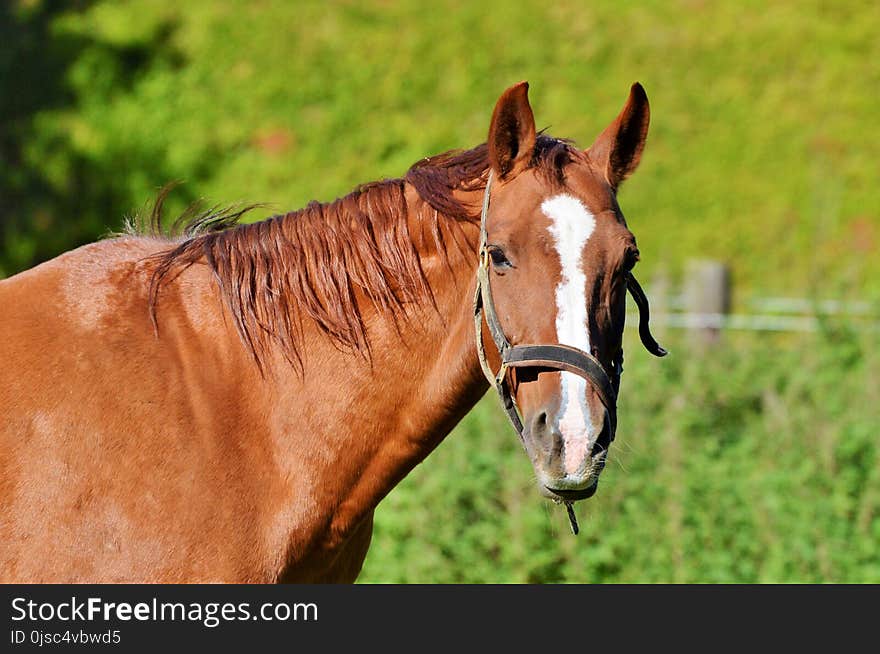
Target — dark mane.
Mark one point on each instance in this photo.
(313, 262)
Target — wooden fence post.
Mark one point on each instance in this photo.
(707, 294)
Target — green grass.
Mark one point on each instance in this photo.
(754, 463)
(757, 462)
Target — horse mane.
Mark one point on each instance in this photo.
(313, 262)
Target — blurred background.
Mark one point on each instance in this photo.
(750, 454)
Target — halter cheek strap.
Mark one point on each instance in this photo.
(545, 356)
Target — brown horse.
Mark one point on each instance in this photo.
(232, 404)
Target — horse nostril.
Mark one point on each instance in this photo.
(539, 424)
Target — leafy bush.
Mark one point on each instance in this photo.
(751, 463)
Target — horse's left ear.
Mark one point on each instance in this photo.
(618, 150)
(512, 132)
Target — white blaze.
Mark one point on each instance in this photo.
(571, 225)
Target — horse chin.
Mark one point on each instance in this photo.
(559, 495)
(566, 488)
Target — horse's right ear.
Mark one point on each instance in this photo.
(618, 150)
(512, 132)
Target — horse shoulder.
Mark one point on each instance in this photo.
(135, 434)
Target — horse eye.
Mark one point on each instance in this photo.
(499, 260)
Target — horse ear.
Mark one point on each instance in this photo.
(512, 132)
(618, 150)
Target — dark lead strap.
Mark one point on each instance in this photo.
(572, 518)
(641, 299)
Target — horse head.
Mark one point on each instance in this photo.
(556, 263)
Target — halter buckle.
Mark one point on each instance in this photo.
(484, 256)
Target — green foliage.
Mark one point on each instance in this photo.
(754, 462)
(757, 463)
(763, 148)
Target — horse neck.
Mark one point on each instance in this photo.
(384, 412)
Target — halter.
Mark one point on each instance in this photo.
(553, 356)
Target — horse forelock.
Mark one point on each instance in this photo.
(313, 263)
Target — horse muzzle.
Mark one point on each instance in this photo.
(567, 466)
